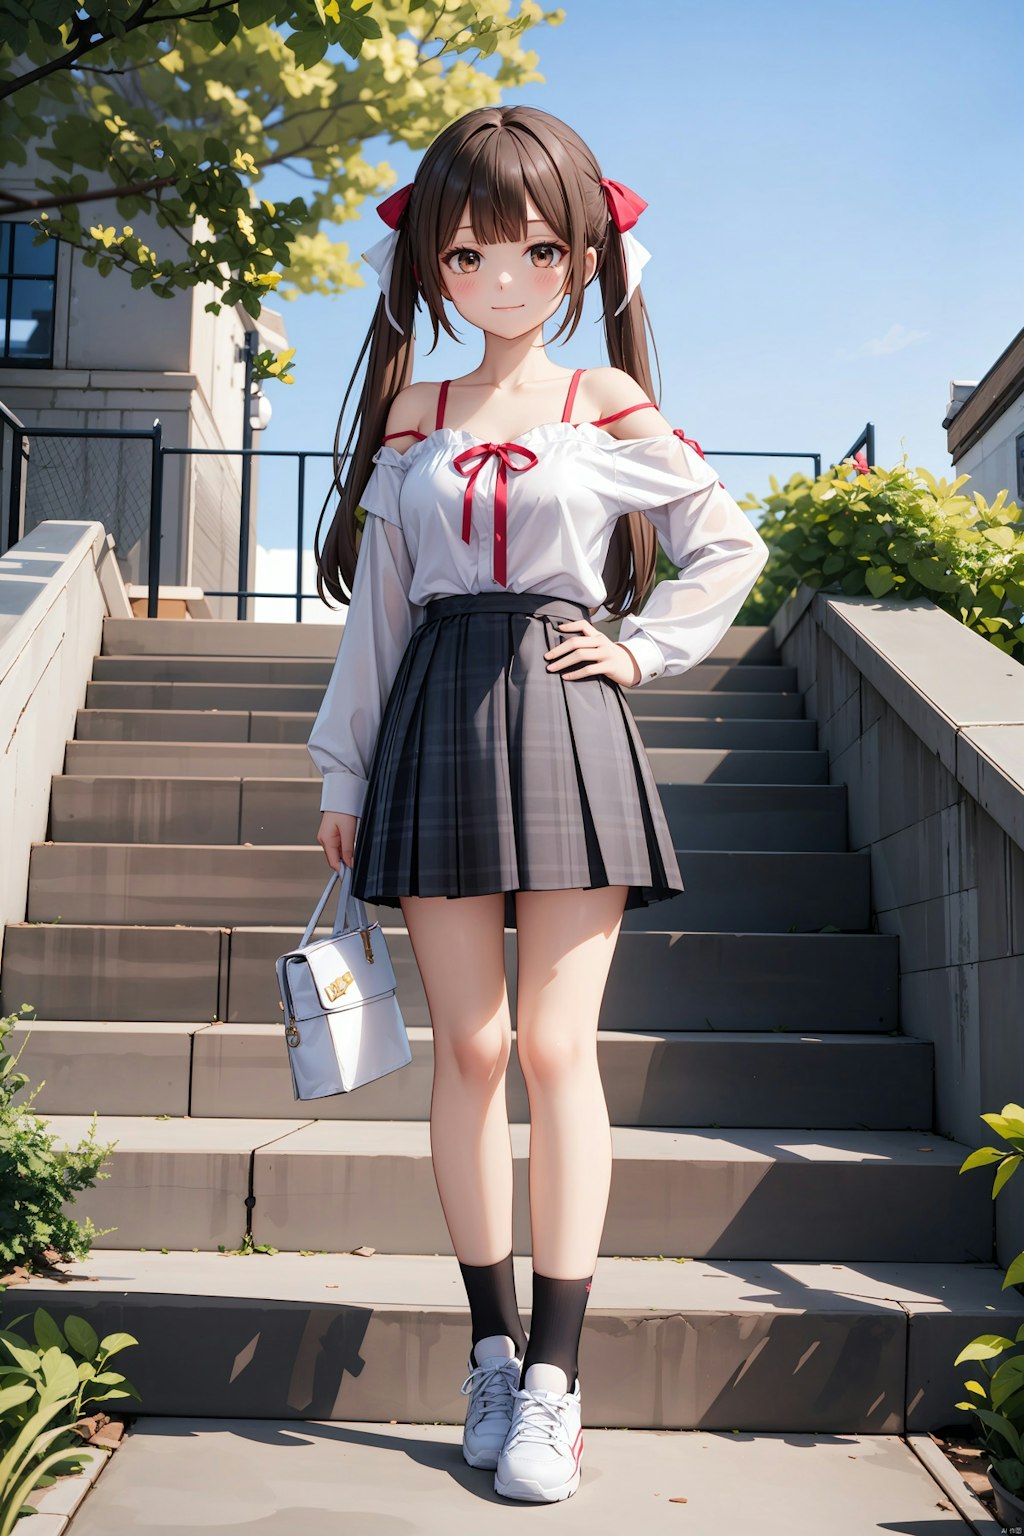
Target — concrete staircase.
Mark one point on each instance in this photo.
(788, 1245)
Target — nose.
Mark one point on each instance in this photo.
(504, 278)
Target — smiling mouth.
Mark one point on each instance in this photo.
(506, 306)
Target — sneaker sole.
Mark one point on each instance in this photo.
(523, 1488)
(488, 1459)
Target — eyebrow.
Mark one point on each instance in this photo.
(543, 222)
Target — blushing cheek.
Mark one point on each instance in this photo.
(460, 286)
(547, 282)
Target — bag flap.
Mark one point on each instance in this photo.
(342, 973)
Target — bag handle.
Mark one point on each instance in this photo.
(346, 899)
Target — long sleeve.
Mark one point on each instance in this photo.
(380, 620)
(718, 551)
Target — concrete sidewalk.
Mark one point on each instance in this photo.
(283, 1477)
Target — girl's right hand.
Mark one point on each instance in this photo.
(337, 837)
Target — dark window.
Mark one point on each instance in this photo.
(28, 296)
(1020, 470)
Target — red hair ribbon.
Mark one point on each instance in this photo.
(392, 208)
(464, 464)
(624, 205)
(692, 443)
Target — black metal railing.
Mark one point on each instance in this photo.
(865, 441)
(244, 593)
(128, 513)
(13, 473)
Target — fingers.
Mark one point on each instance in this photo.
(338, 844)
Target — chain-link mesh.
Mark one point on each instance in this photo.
(105, 479)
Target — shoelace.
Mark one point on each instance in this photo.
(494, 1391)
(540, 1419)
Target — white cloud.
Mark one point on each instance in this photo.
(895, 339)
(275, 572)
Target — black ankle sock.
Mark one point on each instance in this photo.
(556, 1323)
(491, 1289)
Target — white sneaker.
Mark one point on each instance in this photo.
(489, 1386)
(540, 1459)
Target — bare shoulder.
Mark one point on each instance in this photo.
(610, 390)
(409, 410)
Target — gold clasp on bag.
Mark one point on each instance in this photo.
(339, 986)
(367, 946)
(291, 1033)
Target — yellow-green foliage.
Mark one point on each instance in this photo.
(895, 533)
(180, 110)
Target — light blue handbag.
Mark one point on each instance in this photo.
(342, 1023)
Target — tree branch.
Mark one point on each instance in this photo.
(12, 200)
(86, 45)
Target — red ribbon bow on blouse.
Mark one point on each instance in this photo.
(471, 462)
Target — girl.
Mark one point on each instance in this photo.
(475, 726)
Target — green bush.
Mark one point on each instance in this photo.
(894, 533)
(35, 1178)
(998, 1401)
(42, 1383)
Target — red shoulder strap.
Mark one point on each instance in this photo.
(571, 395)
(641, 405)
(442, 396)
(409, 432)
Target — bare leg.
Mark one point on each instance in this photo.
(566, 943)
(459, 949)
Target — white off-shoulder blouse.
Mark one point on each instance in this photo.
(454, 514)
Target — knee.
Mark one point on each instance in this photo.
(478, 1054)
(549, 1053)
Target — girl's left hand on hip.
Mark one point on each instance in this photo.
(598, 654)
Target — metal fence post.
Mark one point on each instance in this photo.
(156, 505)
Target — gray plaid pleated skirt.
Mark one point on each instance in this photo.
(492, 773)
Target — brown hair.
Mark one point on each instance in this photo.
(491, 157)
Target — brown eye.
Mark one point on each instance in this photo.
(553, 253)
(461, 271)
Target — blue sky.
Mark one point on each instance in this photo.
(835, 223)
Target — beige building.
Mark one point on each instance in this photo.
(984, 424)
(81, 350)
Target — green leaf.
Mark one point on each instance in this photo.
(985, 1347)
(13, 1397)
(981, 1158)
(113, 1343)
(879, 580)
(47, 1331)
(1003, 1172)
(933, 575)
(224, 25)
(309, 48)
(1000, 1426)
(1008, 1379)
(81, 1336)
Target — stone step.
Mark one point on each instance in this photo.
(743, 722)
(354, 1475)
(739, 1346)
(824, 983)
(725, 1078)
(741, 643)
(230, 884)
(303, 670)
(292, 761)
(704, 1193)
(90, 808)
